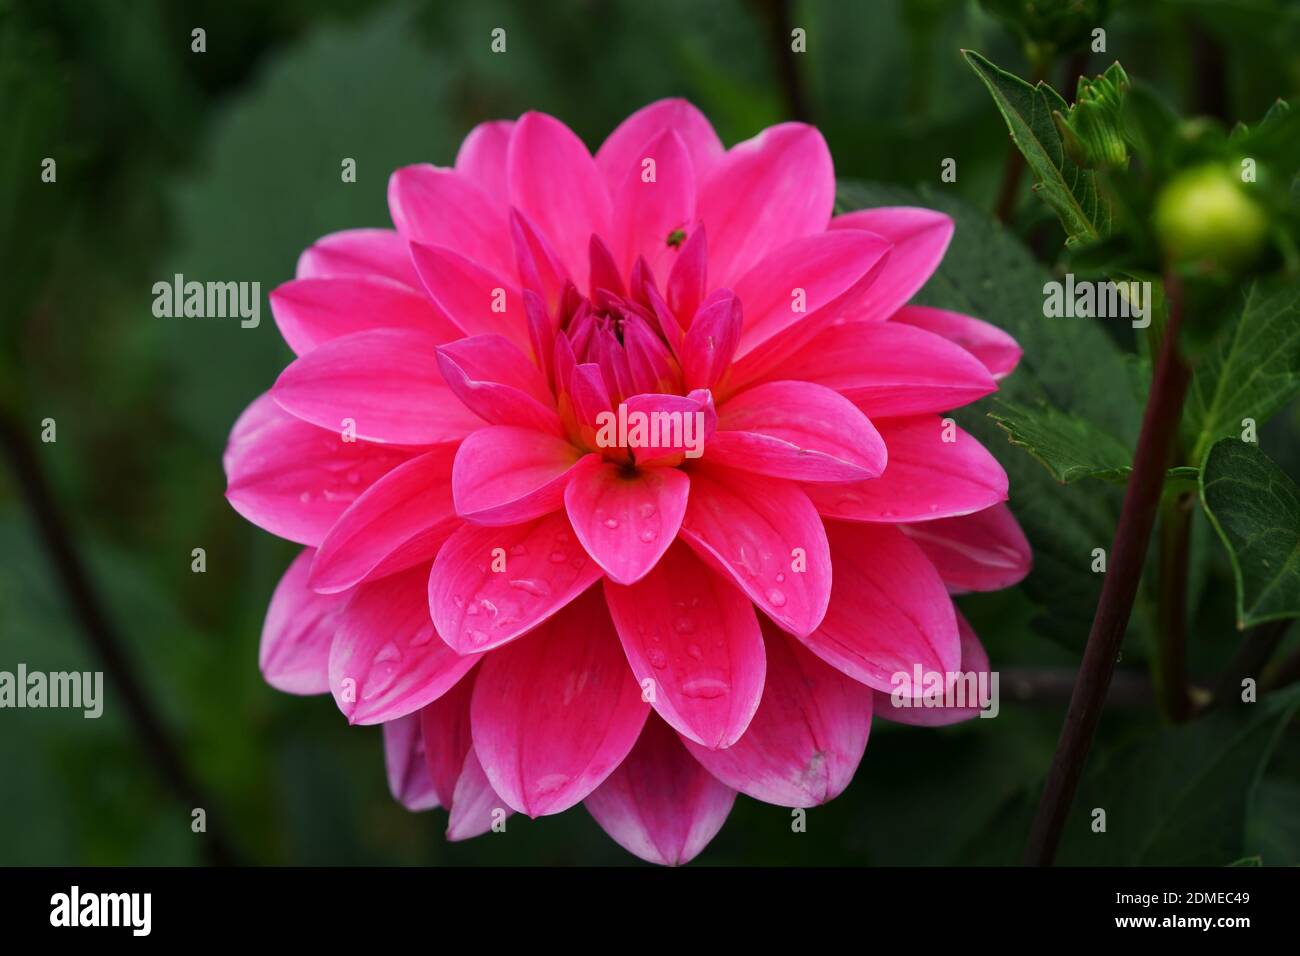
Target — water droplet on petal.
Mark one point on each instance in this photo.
(611, 523)
(706, 688)
(657, 657)
(649, 535)
(776, 597)
(684, 625)
(531, 586)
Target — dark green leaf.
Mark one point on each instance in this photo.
(1069, 190)
(1178, 797)
(1066, 445)
(1253, 374)
(1255, 507)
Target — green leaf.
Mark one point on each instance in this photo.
(1253, 374)
(1067, 446)
(1069, 190)
(1273, 824)
(1255, 507)
(1179, 797)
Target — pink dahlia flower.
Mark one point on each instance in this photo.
(542, 608)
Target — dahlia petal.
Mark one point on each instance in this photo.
(888, 611)
(605, 274)
(385, 381)
(765, 535)
(711, 339)
(984, 551)
(310, 312)
(505, 475)
(296, 636)
(440, 207)
(626, 521)
(294, 479)
(475, 806)
(652, 366)
(627, 144)
(477, 608)
(444, 724)
(687, 282)
(386, 661)
(808, 736)
(998, 351)
(763, 193)
(694, 646)
(927, 478)
(796, 281)
(540, 269)
(797, 430)
(482, 158)
(890, 368)
(660, 804)
(473, 298)
(378, 252)
(555, 713)
(974, 660)
(645, 213)
(482, 370)
(408, 774)
(919, 236)
(555, 183)
(400, 520)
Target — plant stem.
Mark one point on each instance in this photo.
(1171, 614)
(1128, 552)
(1257, 646)
(85, 602)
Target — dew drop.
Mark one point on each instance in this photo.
(531, 586)
(558, 557)
(657, 657)
(694, 652)
(705, 688)
(776, 597)
(649, 535)
(684, 625)
(611, 523)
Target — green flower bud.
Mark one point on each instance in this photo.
(1205, 216)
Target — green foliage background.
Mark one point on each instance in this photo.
(225, 165)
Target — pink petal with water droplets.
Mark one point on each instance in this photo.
(998, 351)
(927, 478)
(473, 298)
(661, 804)
(504, 475)
(310, 312)
(808, 736)
(984, 551)
(888, 610)
(440, 207)
(386, 661)
(974, 661)
(626, 519)
(408, 774)
(694, 645)
(554, 713)
(645, 213)
(386, 381)
(797, 430)
(482, 158)
(554, 181)
(890, 369)
(766, 191)
(299, 628)
(627, 144)
(294, 479)
(477, 608)
(475, 806)
(400, 520)
(919, 236)
(379, 252)
(748, 527)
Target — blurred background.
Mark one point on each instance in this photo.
(225, 165)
